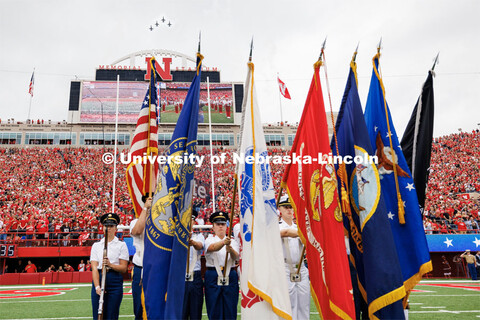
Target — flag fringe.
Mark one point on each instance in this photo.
(410, 283)
(385, 300)
(268, 299)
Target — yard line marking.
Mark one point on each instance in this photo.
(47, 286)
(121, 316)
(43, 301)
(74, 285)
(444, 295)
(431, 307)
(446, 311)
(446, 281)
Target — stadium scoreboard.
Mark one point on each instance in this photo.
(8, 251)
(95, 101)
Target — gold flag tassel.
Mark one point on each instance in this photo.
(401, 209)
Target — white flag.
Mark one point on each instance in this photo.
(263, 281)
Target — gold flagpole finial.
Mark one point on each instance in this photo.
(379, 46)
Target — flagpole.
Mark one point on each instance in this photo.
(115, 148)
(280, 99)
(30, 107)
(235, 182)
(211, 147)
(401, 209)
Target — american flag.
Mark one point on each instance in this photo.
(30, 87)
(142, 177)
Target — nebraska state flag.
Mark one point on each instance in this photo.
(312, 187)
(283, 89)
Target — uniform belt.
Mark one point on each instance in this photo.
(295, 265)
(137, 266)
(221, 268)
(108, 270)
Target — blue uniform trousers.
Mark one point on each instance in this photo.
(137, 292)
(193, 300)
(221, 301)
(112, 298)
(472, 270)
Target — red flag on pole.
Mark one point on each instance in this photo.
(283, 89)
(312, 188)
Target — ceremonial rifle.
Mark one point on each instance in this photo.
(104, 276)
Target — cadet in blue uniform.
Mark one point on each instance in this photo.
(116, 263)
(193, 301)
(221, 294)
(137, 228)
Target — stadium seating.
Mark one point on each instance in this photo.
(61, 191)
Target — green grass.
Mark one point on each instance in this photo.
(440, 303)
(169, 116)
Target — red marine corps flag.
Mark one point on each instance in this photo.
(283, 89)
(312, 187)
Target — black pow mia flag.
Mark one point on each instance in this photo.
(417, 140)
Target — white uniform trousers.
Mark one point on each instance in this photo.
(299, 295)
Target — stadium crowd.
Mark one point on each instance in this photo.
(454, 175)
(56, 195)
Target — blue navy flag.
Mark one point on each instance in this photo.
(376, 271)
(398, 189)
(167, 225)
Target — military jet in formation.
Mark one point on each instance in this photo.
(169, 24)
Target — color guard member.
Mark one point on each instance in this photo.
(193, 301)
(137, 228)
(298, 283)
(221, 293)
(116, 264)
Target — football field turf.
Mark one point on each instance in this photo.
(169, 116)
(432, 299)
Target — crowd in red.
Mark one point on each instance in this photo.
(454, 175)
(57, 195)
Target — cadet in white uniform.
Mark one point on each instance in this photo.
(221, 294)
(137, 228)
(116, 263)
(193, 301)
(298, 283)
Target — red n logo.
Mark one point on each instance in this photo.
(164, 74)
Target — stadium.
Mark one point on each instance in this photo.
(55, 184)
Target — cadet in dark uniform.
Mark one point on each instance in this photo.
(116, 264)
(137, 228)
(193, 301)
(221, 294)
